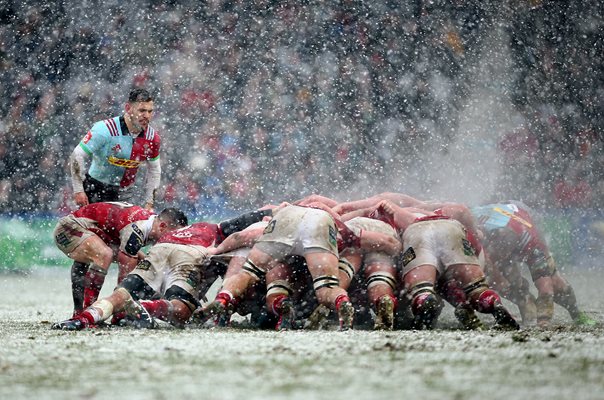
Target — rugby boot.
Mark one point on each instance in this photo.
(428, 314)
(468, 318)
(72, 324)
(319, 318)
(504, 319)
(287, 317)
(384, 314)
(139, 316)
(219, 312)
(346, 315)
(584, 320)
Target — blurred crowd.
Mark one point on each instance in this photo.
(269, 100)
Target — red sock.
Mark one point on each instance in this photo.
(94, 282)
(276, 306)
(86, 317)
(340, 299)
(118, 317)
(158, 308)
(486, 301)
(225, 298)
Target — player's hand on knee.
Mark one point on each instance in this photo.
(80, 199)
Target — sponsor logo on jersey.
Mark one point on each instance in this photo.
(468, 250)
(124, 162)
(144, 265)
(270, 227)
(513, 216)
(408, 256)
(87, 137)
(115, 149)
(333, 236)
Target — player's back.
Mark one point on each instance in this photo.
(111, 217)
(198, 234)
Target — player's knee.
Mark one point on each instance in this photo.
(137, 287)
(185, 302)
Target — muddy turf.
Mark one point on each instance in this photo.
(564, 362)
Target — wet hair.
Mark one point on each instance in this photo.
(139, 95)
(174, 217)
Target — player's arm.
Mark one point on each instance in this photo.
(132, 240)
(126, 263)
(238, 240)
(377, 241)
(77, 162)
(241, 222)
(152, 182)
(350, 206)
(317, 198)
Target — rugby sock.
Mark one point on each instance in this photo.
(78, 273)
(161, 309)
(567, 299)
(225, 297)
(340, 299)
(99, 311)
(95, 277)
(487, 301)
(277, 303)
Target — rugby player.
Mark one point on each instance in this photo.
(437, 247)
(308, 231)
(97, 233)
(511, 239)
(174, 270)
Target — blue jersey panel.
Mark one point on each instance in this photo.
(494, 216)
(108, 147)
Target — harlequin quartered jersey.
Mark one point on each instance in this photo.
(116, 155)
(515, 217)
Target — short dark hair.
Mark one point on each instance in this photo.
(174, 217)
(139, 95)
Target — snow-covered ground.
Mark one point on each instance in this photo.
(121, 363)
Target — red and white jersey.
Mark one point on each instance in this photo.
(107, 220)
(199, 234)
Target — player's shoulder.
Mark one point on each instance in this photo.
(106, 127)
(152, 135)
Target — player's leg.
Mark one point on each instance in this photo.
(426, 305)
(323, 267)
(482, 298)
(349, 264)
(252, 271)
(279, 296)
(381, 286)
(95, 252)
(78, 274)
(564, 295)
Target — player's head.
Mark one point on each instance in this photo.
(168, 220)
(173, 217)
(139, 108)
